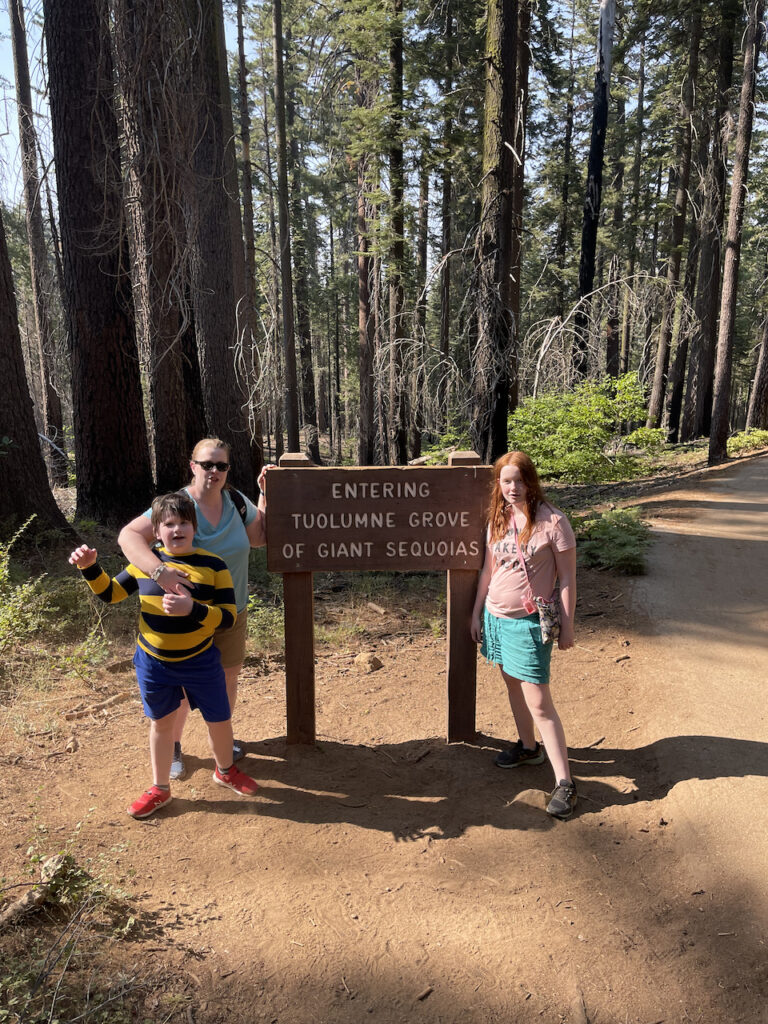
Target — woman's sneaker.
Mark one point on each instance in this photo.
(519, 754)
(178, 771)
(563, 800)
(149, 802)
(237, 780)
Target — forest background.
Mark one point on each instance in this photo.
(373, 231)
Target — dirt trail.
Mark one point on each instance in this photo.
(384, 876)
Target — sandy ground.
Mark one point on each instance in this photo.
(385, 876)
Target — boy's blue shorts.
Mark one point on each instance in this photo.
(162, 684)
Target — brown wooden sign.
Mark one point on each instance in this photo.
(401, 518)
(406, 519)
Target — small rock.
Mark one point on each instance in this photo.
(366, 663)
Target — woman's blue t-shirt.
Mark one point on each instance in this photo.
(228, 540)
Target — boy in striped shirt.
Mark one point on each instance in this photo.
(174, 649)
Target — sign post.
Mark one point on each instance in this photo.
(385, 518)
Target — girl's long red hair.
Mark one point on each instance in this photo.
(498, 513)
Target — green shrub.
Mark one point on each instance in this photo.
(747, 441)
(616, 540)
(648, 439)
(568, 435)
(21, 603)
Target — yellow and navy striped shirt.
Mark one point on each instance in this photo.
(173, 637)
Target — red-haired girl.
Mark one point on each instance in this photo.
(530, 549)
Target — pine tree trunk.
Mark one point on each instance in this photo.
(283, 201)
(757, 413)
(523, 64)
(155, 148)
(493, 350)
(697, 407)
(612, 340)
(42, 279)
(365, 325)
(718, 437)
(661, 368)
(634, 226)
(250, 349)
(418, 361)
(398, 412)
(299, 236)
(594, 192)
(445, 246)
(674, 402)
(111, 449)
(561, 242)
(25, 489)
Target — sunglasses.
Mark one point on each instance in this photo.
(208, 466)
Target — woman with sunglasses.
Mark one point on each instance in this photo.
(227, 528)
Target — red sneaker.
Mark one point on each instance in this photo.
(149, 802)
(237, 780)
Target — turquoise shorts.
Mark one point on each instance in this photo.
(515, 645)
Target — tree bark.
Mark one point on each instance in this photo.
(697, 406)
(445, 221)
(42, 279)
(25, 489)
(757, 413)
(214, 243)
(661, 368)
(111, 449)
(155, 148)
(398, 415)
(718, 437)
(365, 325)
(494, 348)
(299, 236)
(250, 318)
(283, 201)
(594, 193)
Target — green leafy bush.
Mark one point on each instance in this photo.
(747, 441)
(21, 603)
(568, 435)
(648, 439)
(616, 540)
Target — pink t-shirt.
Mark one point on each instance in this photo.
(509, 587)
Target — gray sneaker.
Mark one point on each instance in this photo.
(518, 755)
(178, 771)
(563, 800)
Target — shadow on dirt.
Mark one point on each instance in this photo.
(426, 787)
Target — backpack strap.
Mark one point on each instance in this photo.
(239, 502)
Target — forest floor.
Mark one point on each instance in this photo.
(385, 876)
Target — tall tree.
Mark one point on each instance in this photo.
(215, 241)
(718, 437)
(25, 489)
(494, 350)
(156, 147)
(42, 279)
(757, 412)
(111, 449)
(594, 191)
(283, 205)
(250, 318)
(661, 368)
(697, 405)
(398, 416)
